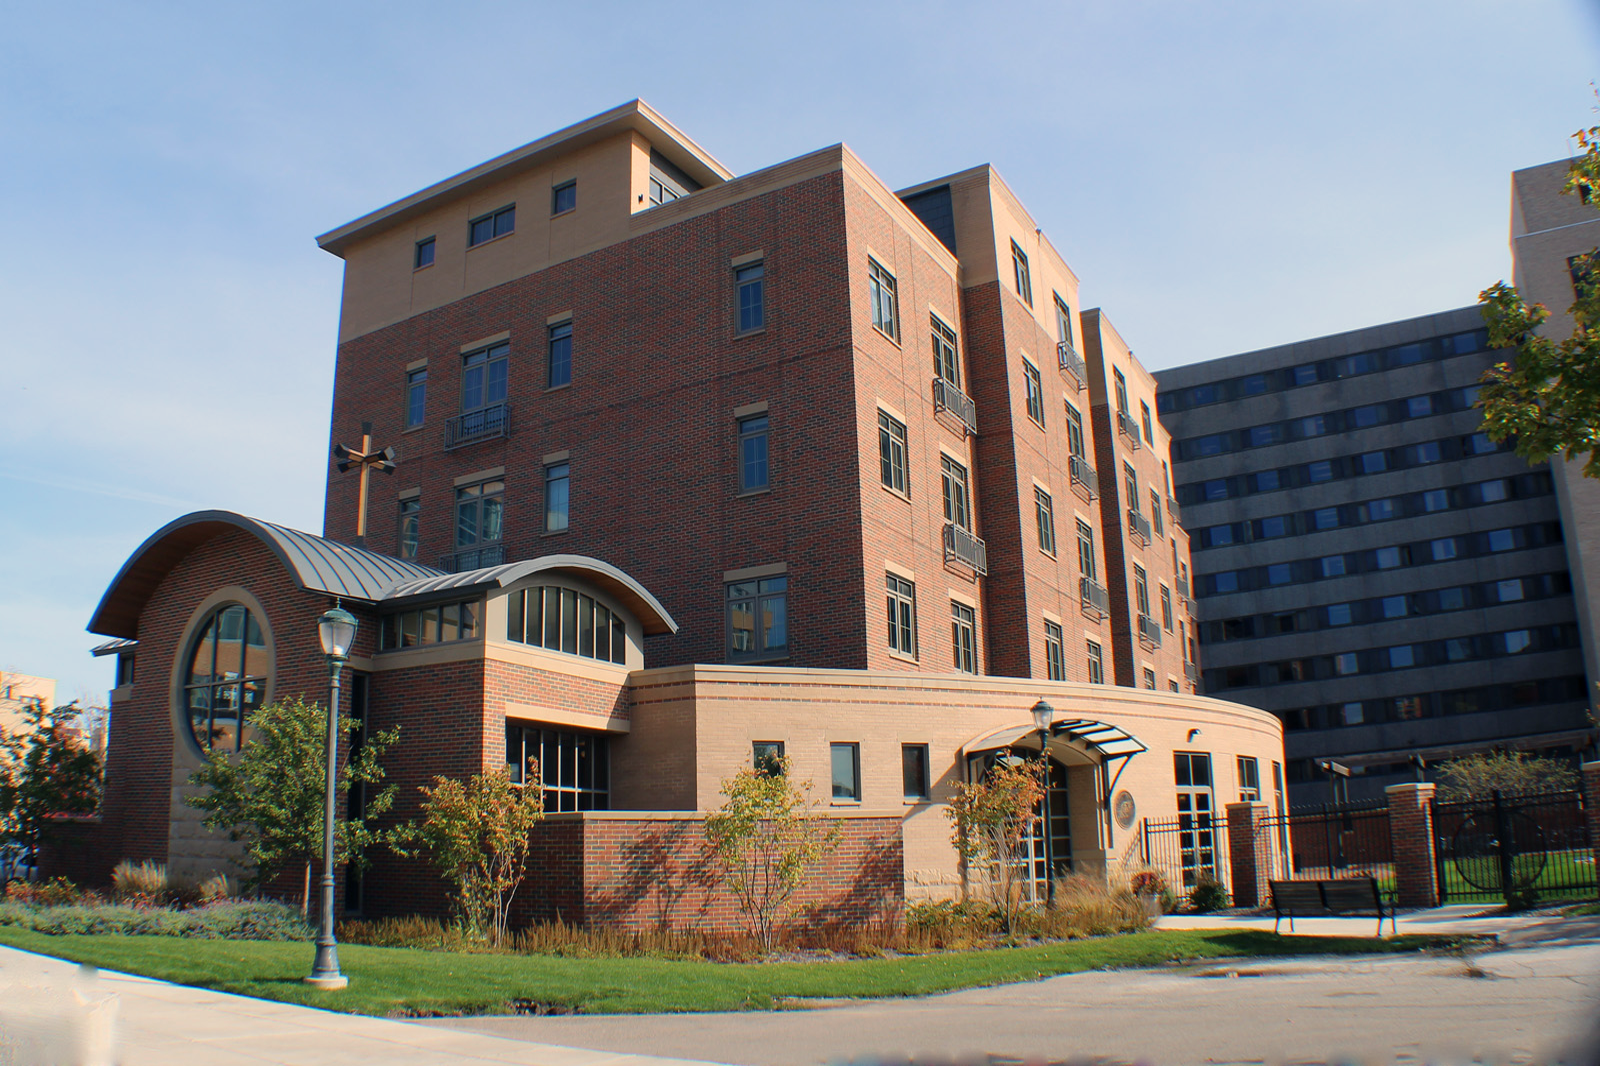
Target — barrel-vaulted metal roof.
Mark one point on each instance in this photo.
(317, 564)
(1109, 741)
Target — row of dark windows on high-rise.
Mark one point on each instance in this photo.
(1388, 608)
(1394, 657)
(1478, 699)
(1334, 468)
(1279, 380)
(1389, 557)
(1309, 427)
(1429, 501)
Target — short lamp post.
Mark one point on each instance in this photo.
(337, 631)
(1043, 715)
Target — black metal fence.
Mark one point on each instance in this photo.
(1186, 849)
(1514, 848)
(1333, 841)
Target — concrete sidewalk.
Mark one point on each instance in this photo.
(1471, 918)
(54, 1013)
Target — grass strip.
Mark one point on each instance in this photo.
(413, 982)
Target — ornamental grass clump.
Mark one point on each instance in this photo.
(144, 883)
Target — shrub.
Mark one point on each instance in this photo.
(255, 920)
(214, 888)
(991, 818)
(56, 891)
(1208, 894)
(145, 883)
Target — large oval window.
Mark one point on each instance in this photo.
(227, 678)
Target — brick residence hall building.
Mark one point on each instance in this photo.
(692, 467)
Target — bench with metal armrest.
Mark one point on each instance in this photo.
(1329, 899)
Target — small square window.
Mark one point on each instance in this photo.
(1346, 663)
(914, 771)
(1502, 540)
(1419, 406)
(1427, 452)
(1339, 614)
(1494, 491)
(1444, 548)
(1215, 490)
(424, 254)
(1374, 462)
(1313, 426)
(1381, 510)
(1268, 481)
(1350, 714)
(1508, 591)
(1325, 518)
(1333, 566)
(1389, 558)
(1149, 678)
(1304, 375)
(846, 763)
(1401, 657)
(564, 197)
(1279, 574)
(767, 757)
(1518, 641)
(1319, 471)
(1436, 500)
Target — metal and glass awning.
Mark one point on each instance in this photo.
(1108, 741)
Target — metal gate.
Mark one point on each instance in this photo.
(1332, 841)
(1186, 848)
(1518, 849)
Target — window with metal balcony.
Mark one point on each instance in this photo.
(1083, 475)
(1139, 526)
(948, 398)
(1129, 429)
(962, 547)
(1093, 596)
(1173, 513)
(484, 413)
(1072, 365)
(1149, 631)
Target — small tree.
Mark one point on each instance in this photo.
(45, 770)
(992, 817)
(477, 834)
(1476, 776)
(270, 798)
(765, 836)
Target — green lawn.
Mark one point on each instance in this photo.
(388, 981)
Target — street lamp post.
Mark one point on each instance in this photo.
(337, 632)
(1043, 714)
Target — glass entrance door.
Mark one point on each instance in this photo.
(1060, 837)
(1197, 837)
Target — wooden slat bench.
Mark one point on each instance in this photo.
(1329, 899)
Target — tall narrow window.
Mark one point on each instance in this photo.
(945, 363)
(1097, 663)
(892, 453)
(1044, 512)
(483, 387)
(957, 500)
(494, 224)
(846, 760)
(963, 637)
(1144, 419)
(885, 303)
(416, 397)
(1121, 384)
(557, 497)
(758, 619)
(1166, 609)
(1075, 433)
(1249, 780)
(1130, 481)
(1156, 521)
(753, 453)
(1019, 268)
(1035, 389)
(914, 771)
(1063, 321)
(478, 512)
(1149, 678)
(1055, 663)
(563, 197)
(560, 354)
(1141, 591)
(749, 283)
(902, 600)
(1086, 564)
(410, 527)
(424, 254)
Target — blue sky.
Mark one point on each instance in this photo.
(1221, 177)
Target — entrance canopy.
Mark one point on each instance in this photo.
(1107, 741)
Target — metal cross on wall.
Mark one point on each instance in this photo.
(366, 458)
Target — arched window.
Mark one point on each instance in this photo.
(227, 678)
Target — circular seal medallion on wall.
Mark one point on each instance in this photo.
(1124, 809)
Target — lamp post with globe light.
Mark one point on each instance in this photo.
(337, 632)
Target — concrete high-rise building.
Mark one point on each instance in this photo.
(1368, 565)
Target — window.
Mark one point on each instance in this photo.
(1279, 574)
(1435, 500)
(1346, 663)
(1075, 433)
(1149, 679)
(564, 197)
(846, 759)
(1121, 384)
(1319, 471)
(410, 527)
(892, 453)
(1518, 641)
(424, 254)
(1166, 608)
(1313, 426)
(574, 768)
(1332, 565)
(1044, 511)
(1370, 415)
(1035, 389)
(1130, 481)
(494, 224)
(1502, 540)
(957, 501)
(902, 602)
(1055, 663)
(1086, 565)
(1144, 420)
(1443, 549)
(1508, 591)
(1419, 406)
(1427, 452)
(557, 497)
(560, 355)
(914, 771)
(1141, 591)
(1063, 321)
(1494, 491)
(1268, 481)
(483, 385)
(564, 620)
(766, 756)
(1157, 522)
(758, 619)
(1390, 557)
(1097, 663)
(1325, 518)
(1249, 780)
(478, 513)
(963, 637)
(753, 453)
(946, 365)
(1216, 489)
(749, 284)
(227, 678)
(885, 304)
(1019, 268)
(1401, 656)
(1374, 462)
(435, 624)
(1381, 510)
(416, 397)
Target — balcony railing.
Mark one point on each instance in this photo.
(947, 397)
(1129, 428)
(1094, 596)
(1192, 672)
(1173, 512)
(485, 423)
(962, 547)
(1083, 474)
(473, 558)
(1072, 364)
(1139, 525)
(1182, 585)
(1149, 631)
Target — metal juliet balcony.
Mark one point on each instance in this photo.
(485, 423)
(1149, 631)
(1175, 514)
(1084, 474)
(1139, 526)
(1182, 585)
(1130, 429)
(949, 398)
(1192, 672)
(1094, 596)
(473, 558)
(1072, 365)
(962, 547)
